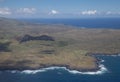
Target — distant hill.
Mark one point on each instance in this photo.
(6, 22)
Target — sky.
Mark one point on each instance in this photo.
(59, 8)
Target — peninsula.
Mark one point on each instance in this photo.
(33, 46)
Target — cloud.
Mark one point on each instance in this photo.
(5, 11)
(26, 10)
(112, 13)
(89, 12)
(53, 12)
(109, 13)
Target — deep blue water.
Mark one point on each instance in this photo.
(61, 75)
(83, 22)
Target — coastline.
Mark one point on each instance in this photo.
(22, 68)
(102, 69)
(66, 67)
(47, 66)
(81, 70)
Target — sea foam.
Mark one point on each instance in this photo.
(102, 70)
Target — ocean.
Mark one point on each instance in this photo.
(113, 23)
(110, 65)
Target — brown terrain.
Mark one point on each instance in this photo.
(33, 46)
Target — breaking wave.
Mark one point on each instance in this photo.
(102, 70)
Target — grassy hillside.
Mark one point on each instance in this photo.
(69, 48)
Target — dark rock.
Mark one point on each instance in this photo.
(42, 37)
(48, 51)
(4, 47)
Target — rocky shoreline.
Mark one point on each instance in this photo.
(28, 68)
(102, 54)
(22, 68)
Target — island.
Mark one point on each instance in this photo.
(27, 46)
